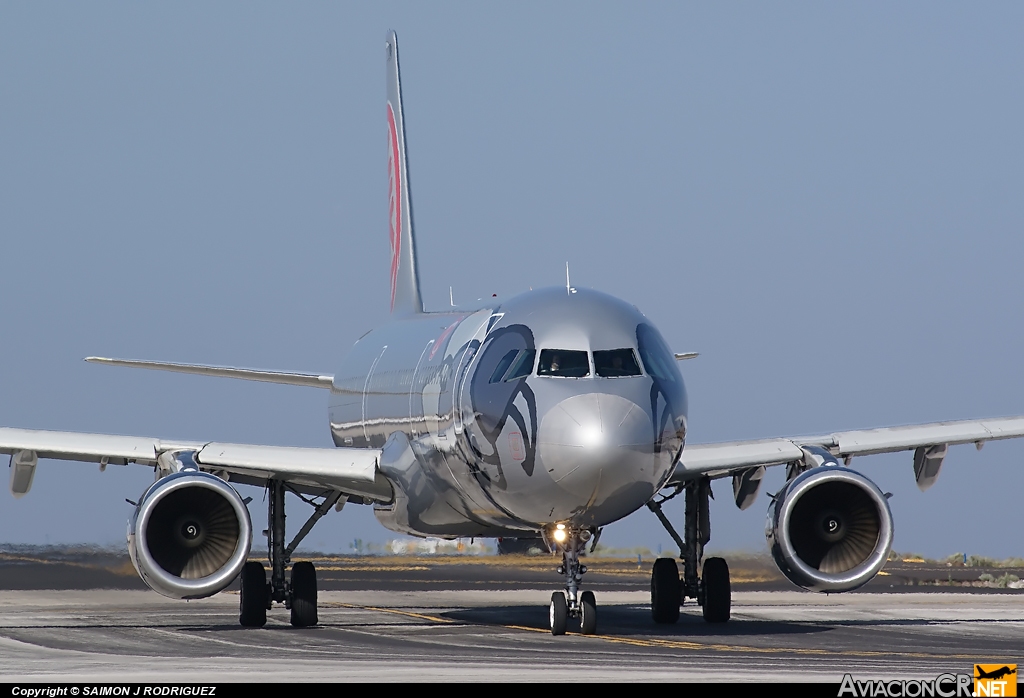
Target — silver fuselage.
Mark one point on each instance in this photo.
(471, 454)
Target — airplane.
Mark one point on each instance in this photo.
(995, 674)
(550, 414)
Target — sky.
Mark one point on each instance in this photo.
(824, 200)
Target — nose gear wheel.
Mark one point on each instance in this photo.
(558, 614)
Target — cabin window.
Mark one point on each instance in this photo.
(522, 366)
(562, 363)
(502, 367)
(616, 363)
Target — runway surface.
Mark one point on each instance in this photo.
(84, 615)
(465, 635)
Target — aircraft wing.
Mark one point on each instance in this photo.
(352, 471)
(929, 441)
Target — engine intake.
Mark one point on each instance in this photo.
(830, 529)
(190, 535)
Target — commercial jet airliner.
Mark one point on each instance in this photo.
(551, 414)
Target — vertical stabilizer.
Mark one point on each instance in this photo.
(405, 280)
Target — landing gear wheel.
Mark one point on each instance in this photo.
(717, 591)
(588, 613)
(559, 613)
(303, 595)
(666, 591)
(252, 605)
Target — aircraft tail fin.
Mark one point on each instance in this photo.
(405, 280)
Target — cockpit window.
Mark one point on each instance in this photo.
(503, 364)
(616, 363)
(655, 354)
(522, 366)
(563, 363)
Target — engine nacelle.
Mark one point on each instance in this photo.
(190, 535)
(830, 529)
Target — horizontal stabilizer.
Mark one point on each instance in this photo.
(310, 380)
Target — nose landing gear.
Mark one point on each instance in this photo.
(711, 589)
(571, 603)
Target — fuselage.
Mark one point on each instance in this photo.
(554, 406)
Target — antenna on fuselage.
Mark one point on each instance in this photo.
(451, 298)
(568, 288)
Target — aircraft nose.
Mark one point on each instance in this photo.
(595, 446)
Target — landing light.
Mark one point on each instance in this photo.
(560, 535)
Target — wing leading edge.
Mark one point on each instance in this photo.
(352, 471)
(722, 459)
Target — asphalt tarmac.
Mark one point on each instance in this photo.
(408, 619)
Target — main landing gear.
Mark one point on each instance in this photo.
(571, 603)
(298, 594)
(711, 589)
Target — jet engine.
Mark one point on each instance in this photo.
(830, 529)
(190, 535)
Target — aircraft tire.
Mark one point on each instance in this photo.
(666, 591)
(252, 599)
(717, 590)
(559, 613)
(303, 595)
(588, 613)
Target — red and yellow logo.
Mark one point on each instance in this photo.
(995, 679)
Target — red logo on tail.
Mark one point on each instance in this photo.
(394, 200)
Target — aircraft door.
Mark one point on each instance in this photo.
(417, 395)
(463, 403)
